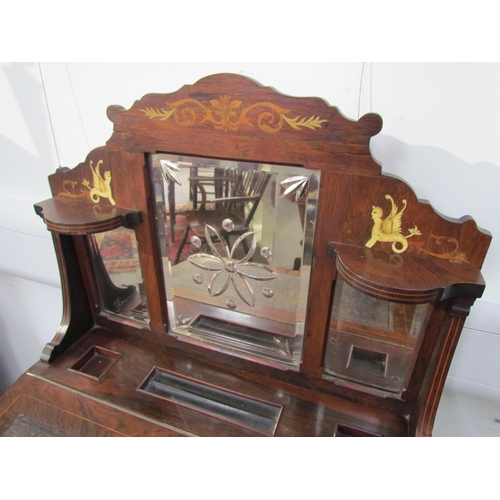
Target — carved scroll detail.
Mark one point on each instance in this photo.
(228, 114)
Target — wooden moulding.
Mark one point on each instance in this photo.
(75, 217)
(231, 116)
(405, 278)
(77, 316)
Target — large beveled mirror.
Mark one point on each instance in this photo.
(236, 244)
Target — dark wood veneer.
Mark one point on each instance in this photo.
(405, 278)
(65, 216)
(434, 261)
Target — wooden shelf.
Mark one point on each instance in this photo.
(405, 278)
(66, 216)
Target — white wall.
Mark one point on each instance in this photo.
(441, 123)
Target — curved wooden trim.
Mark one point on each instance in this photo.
(75, 217)
(376, 290)
(231, 116)
(371, 272)
(76, 317)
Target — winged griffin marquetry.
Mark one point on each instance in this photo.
(389, 229)
(101, 187)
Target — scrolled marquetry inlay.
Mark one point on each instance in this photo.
(229, 114)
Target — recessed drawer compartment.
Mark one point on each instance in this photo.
(366, 361)
(95, 362)
(228, 406)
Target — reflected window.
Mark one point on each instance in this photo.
(236, 243)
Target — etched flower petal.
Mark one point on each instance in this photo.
(243, 289)
(297, 185)
(210, 242)
(294, 180)
(217, 280)
(251, 250)
(301, 191)
(168, 169)
(206, 261)
(259, 272)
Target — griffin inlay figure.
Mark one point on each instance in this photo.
(389, 229)
(101, 188)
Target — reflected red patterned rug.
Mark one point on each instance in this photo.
(119, 250)
(119, 247)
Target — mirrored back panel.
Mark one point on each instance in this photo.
(371, 341)
(118, 274)
(236, 243)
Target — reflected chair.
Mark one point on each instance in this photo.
(245, 188)
(209, 181)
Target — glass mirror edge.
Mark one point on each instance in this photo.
(179, 323)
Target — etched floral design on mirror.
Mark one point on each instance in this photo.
(236, 243)
(228, 269)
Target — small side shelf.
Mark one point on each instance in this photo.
(405, 278)
(65, 216)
